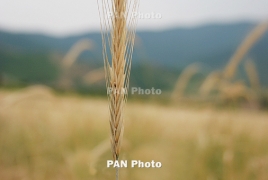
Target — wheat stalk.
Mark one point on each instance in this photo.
(183, 80)
(94, 76)
(118, 34)
(96, 153)
(210, 83)
(72, 55)
(246, 45)
(234, 91)
(252, 74)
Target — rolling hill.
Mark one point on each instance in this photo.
(212, 45)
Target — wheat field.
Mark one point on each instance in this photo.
(48, 136)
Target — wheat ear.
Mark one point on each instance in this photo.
(118, 22)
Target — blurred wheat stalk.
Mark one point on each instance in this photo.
(75, 51)
(222, 81)
(246, 45)
(66, 79)
(238, 89)
(183, 80)
(118, 22)
(252, 74)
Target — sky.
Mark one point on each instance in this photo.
(66, 17)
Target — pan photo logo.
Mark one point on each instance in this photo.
(134, 91)
(133, 164)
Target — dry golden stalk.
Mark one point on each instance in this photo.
(94, 76)
(249, 41)
(118, 22)
(210, 83)
(96, 153)
(183, 80)
(252, 74)
(75, 51)
(234, 91)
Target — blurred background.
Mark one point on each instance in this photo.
(209, 59)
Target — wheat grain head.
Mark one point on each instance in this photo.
(118, 33)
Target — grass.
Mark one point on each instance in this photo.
(57, 137)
